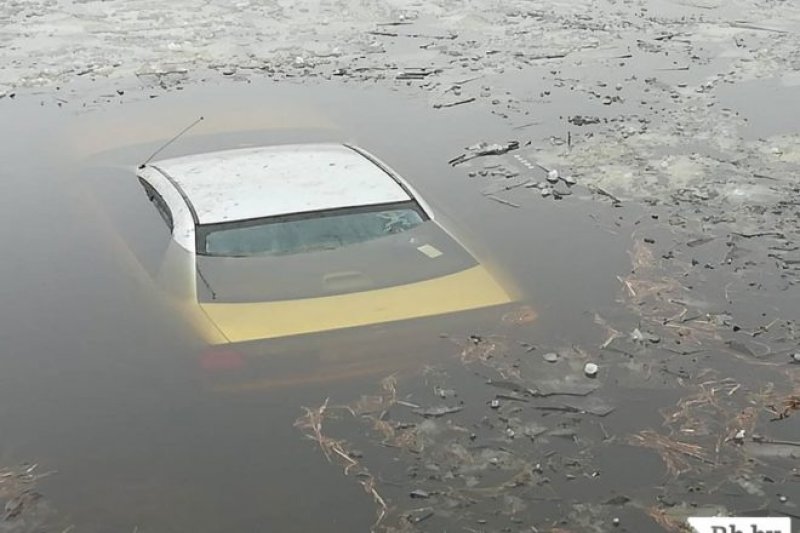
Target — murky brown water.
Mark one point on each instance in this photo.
(100, 384)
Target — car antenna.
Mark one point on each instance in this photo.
(184, 130)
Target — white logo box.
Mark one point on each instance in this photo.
(740, 524)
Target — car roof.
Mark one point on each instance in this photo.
(251, 183)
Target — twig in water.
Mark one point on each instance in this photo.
(453, 104)
(462, 82)
(627, 285)
(500, 200)
(760, 234)
(606, 436)
(605, 193)
(748, 26)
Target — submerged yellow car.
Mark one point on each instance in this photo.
(285, 240)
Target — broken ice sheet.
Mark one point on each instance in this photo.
(750, 486)
(740, 347)
(592, 518)
(591, 404)
(512, 505)
(773, 450)
(567, 385)
(673, 517)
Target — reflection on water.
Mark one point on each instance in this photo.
(100, 383)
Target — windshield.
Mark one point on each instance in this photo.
(307, 232)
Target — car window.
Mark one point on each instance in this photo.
(159, 203)
(421, 253)
(325, 230)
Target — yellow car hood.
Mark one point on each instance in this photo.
(472, 288)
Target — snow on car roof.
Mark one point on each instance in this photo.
(252, 183)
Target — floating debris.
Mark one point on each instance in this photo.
(786, 407)
(617, 500)
(580, 120)
(641, 337)
(550, 357)
(484, 149)
(413, 75)
(21, 503)
(419, 515)
(444, 393)
(676, 454)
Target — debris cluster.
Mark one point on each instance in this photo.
(502, 443)
(22, 506)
